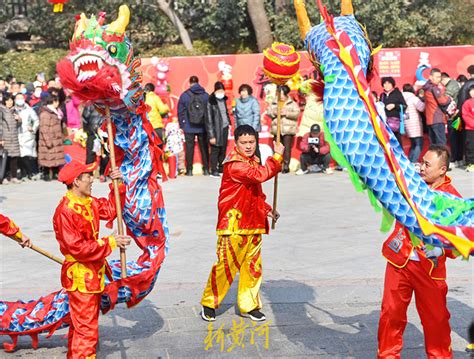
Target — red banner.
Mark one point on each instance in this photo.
(401, 63)
(234, 70)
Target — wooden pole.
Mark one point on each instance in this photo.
(118, 206)
(41, 251)
(275, 186)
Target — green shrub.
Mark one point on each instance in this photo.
(24, 65)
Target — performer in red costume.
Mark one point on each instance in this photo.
(412, 267)
(10, 229)
(242, 221)
(76, 224)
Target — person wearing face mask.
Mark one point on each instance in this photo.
(50, 146)
(217, 127)
(27, 137)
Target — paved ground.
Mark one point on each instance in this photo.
(323, 277)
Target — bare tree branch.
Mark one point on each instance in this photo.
(166, 7)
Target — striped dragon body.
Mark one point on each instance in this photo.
(101, 69)
(339, 46)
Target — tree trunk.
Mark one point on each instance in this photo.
(260, 23)
(183, 33)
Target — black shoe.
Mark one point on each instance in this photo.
(208, 314)
(215, 174)
(285, 170)
(46, 178)
(189, 172)
(205, 172)
(221, 170)
(256, 315)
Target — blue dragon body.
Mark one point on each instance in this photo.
(340, 48)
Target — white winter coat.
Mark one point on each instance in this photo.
(27, 131)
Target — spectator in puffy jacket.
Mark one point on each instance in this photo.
(217, 127)
(413, 123)
(157, 108)
(467, 112)
(314, 150)
(395, 105)
(435, 98)
(50, 145)
(247, 109)
(27, 137)
(452, 86)
(455, 138)
(73, 115)
(91, 121)
(289, 120)
(194, 99)
(10, 123)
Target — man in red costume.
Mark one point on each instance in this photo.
(241, 222)
(416, 268)
(76, 224)
(10, 229)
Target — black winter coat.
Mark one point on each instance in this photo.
(394, 97)
(214, 121)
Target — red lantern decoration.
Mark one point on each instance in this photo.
(58, 5)
(281, 62)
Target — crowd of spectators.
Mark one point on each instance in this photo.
(442, 108)
(37, 118)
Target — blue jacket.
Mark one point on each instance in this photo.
(183, 105)
(247, 112)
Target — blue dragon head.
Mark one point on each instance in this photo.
(101, 67)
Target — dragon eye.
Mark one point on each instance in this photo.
(112, 49)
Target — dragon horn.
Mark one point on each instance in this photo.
(302, 16)
(346, 8)
(118, 26)
(81, 25)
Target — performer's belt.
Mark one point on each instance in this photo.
(70, 258)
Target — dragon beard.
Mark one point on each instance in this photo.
(104, 86)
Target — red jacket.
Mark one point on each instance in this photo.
(435, 96)
(323, 145)
(242, 207)
(398, 246)
(76, 224)
(9, 228)
(468, 114)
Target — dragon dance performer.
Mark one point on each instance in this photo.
(10, 229)
(241, 222)
(76, 224)
(415, 268)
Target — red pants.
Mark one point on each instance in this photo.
(430, 296)
(84, 329)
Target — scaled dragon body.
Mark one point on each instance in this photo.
(101, 69)
(340, 49)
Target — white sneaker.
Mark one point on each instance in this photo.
(328, 171)
(5, 181)
(470, 168)
(300, 172)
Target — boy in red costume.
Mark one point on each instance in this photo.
(10, 229)
(421, 270)
(76, 224)
(241, 222)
